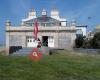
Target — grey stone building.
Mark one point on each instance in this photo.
(97, 29)
(53, 31)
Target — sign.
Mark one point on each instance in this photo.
(35, 55)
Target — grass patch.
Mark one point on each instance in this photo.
(2, 52)
(62, 66)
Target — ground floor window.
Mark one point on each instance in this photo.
(46, 41)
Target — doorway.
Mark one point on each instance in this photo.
(48, 41)
(45, 41)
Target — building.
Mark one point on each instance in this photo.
(53, 31)
(90, 35)
(81, 30)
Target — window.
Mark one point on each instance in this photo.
(30, 40)
(79, 31)
(51, 39)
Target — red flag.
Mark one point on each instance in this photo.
(35, 29)
(35, 55)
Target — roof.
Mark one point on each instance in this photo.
(81, 26)
(49, 21)
(43, 19)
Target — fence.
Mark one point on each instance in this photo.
(88, 51)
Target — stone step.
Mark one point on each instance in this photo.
(24, 51)
(27, 51)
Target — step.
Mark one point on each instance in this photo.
(27, 51)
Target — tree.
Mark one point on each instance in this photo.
(79, 41)
(96, 41)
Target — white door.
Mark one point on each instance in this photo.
(31, 42)
(50, 41)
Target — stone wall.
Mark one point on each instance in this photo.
(15, 40)
(66, 40)
(62, 39)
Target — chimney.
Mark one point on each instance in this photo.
(32, 13)
(8, 23)
(55, 13)
(44, 12)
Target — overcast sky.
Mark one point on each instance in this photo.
(84, 11)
